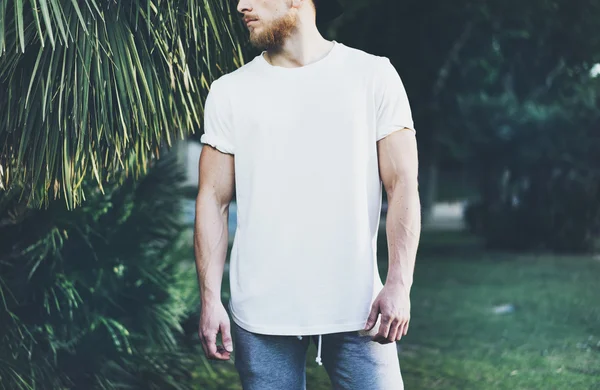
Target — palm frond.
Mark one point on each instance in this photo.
(95, 90)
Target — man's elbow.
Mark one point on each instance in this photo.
(402, 182)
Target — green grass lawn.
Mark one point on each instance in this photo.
(551, 340)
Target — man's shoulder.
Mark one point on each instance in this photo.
(244, 72)
(357, 53)
(362, 60)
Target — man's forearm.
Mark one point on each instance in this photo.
(403, 228)
(210, 246)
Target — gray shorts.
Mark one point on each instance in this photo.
(351, 359)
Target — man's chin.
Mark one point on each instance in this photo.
(271, 36)
(257, 45)
(261, 44)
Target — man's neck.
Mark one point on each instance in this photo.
(298, 52)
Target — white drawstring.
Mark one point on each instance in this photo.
(318, 359)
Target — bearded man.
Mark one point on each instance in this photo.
(306, 134)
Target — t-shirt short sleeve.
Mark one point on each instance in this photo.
(218, 131)
(393, 108)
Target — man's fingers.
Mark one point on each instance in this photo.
(372, 319)
(384, 330)
(395, 329)
(402, 330)
(221, 353)
(203, 341)
(214, 351)
(203, 345)
(226, 336)
(211, 344)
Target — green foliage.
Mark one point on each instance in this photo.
(529, 132)
(537, 167)
(95, 88)
(94, 298)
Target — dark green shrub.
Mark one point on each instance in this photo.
(94, 297)
(538, 171)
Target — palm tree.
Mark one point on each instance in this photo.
(93, 88)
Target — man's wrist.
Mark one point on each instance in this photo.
(398, 283)
(209, 297)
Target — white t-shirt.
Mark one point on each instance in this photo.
(304, 256)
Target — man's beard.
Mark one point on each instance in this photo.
(274, 35)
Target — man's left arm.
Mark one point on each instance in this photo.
(398, 170)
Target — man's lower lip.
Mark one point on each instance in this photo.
(252, 21)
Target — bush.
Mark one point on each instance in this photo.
(94, 297)
(538, 171)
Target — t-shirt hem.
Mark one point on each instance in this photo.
(216, 143)
(384, 134)
(297, 331)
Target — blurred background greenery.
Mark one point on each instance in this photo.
(100, 113)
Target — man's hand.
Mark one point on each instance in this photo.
(214, 320)
(393, 303)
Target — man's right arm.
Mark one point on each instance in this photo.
(216, 184)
